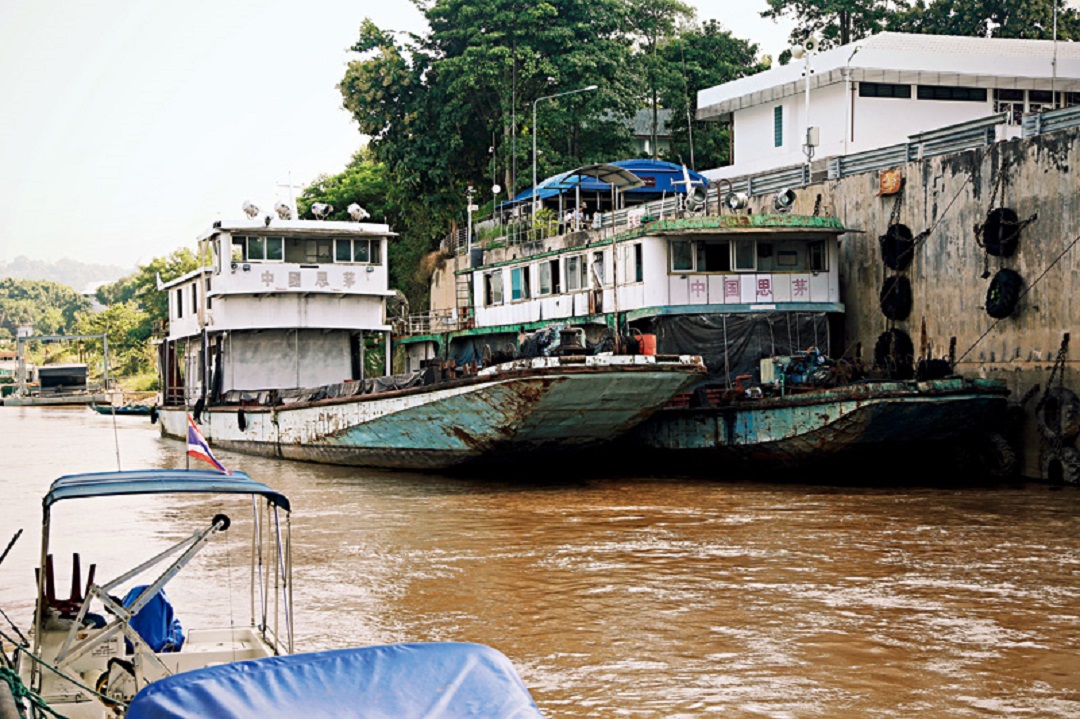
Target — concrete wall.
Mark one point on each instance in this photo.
(950, 195)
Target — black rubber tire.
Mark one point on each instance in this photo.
(999, 457)
(153, 414)
(1001, 232)
(241, 420)
(895, 353)
(1058, 414)
(1003, 293)
(1061, 466)
(895, 297)
(897, 247)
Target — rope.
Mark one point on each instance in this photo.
(21, 692)
(1027, 289)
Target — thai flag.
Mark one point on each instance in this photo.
(199, 449)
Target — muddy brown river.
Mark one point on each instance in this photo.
(619, 596)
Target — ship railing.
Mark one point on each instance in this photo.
(1050, 121)
(432, 322)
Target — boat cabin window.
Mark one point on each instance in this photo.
(819, 258)
(194, 299)
(179, 302)
(713, 256)
(577, 274)
(257, 248)
(363, 251)
(682, 256)
(519, 283)
(745, 256)
(598, 269)
(549, 280)
(493, 287)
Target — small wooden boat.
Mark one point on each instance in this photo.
(130, 408)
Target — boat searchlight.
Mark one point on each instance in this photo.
(358, 213)
(321, 210)
(284, 212)
(250, 209)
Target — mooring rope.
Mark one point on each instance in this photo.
(1027, 289)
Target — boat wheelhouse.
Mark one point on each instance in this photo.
(278, 305)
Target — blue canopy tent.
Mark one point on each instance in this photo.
(656, 179)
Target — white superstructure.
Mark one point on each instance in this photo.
(277, 305)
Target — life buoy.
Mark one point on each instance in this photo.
(1001, 232)
(1003, 293)
(895, 297)
(895, 353)
(1058, 414)
(1061, 466)
(897, 247)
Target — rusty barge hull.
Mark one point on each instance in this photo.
(522, 410)
(799, 430)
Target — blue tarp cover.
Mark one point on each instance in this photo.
(159, 481)
(155, 622)
(657, 174)
(400, 681)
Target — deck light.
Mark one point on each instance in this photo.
(250, 209)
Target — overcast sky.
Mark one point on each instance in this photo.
(128, 126)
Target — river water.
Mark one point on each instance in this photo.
(617, 596)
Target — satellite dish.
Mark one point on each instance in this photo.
(250, 209)
(321, 210)
(736, 200)
(357, 213)
(283, 211)
(783, 200)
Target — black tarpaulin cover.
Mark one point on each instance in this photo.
(734, 344)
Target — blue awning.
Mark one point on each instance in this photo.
(159, 481)
(658, 177)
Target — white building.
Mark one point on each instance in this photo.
(879, 91)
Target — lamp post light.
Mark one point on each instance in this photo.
(537, 100)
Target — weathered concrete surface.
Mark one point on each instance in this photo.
(950, 195)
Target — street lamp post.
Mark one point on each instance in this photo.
(537, 100)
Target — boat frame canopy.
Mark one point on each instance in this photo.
(159, 481)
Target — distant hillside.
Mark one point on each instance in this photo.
(76, 275)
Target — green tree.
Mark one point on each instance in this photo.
(1030, 19)
(435, 106)
(52, 308)
(704, 56)
(833, 22)
(654, 22)
(135, 308)
(125, 326)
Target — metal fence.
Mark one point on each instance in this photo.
(954, 138)
(1050, 121)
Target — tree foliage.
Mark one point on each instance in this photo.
(1030, 19)
(703, 56)
(454, 107)
(833, 22)
(52, 308)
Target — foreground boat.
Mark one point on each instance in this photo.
(94, 656)
(445, 680)
(90, 652)
(279, 347)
